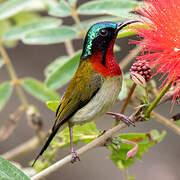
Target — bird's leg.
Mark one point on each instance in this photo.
(75, 156)
(122, 117)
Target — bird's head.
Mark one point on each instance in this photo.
(100, 36)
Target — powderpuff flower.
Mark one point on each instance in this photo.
(161, 40)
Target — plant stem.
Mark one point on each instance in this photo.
(126, 102)
(167, 122)
(75, 16)
(126, 174)
(13, 75)
(27, 146)
(69, 47)
(156, 101)
(133, 87)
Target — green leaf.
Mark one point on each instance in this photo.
(177, 123)
(144, 141)
(25, 17)
(50, 36)
(18, 32)
(53, 105)
(116, 7)
(64, 73)
(128, 31)
(11, 7)
(5, 25)
(52, 67)
(9, 172)
(5, 93)
(60, 9)
(85, 133)
(39, 90)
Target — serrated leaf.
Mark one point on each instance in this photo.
(11, 7)
(144, 141)
(39, 90)
(53, 105)
(52, 67)
(60, 9)
(116, 7)
(50, 36)
(5, 93)
(64, 73)
(9, 172)
(18, 32)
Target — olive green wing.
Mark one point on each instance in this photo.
(84, 85)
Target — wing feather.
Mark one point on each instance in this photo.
(84, 85)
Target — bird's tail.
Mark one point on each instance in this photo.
(53, 133)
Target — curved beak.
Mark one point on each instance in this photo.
(125, 23)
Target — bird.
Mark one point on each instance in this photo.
(96, 84)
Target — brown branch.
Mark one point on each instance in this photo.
(95, 143)
(9, 126)
(13, 75)
(167, 122)
(69, 47)
(29, 145)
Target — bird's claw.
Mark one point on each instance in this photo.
(122, 117)
(75, 157)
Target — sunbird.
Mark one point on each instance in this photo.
(96, 84)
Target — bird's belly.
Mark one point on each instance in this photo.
(100, 103)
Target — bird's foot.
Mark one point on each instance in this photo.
(122, 117)
(75, 157)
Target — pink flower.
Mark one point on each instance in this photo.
(161, 40)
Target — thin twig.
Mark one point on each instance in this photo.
(69, 47)
(167, 122)
(156, 101)
(75, 16)
(13, 75)
(128, 98)
(126, 102)
(29, 145)
(126, 174)
(9, 126)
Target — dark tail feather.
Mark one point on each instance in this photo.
(53, 133)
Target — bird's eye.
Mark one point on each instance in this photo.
(103, 32)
